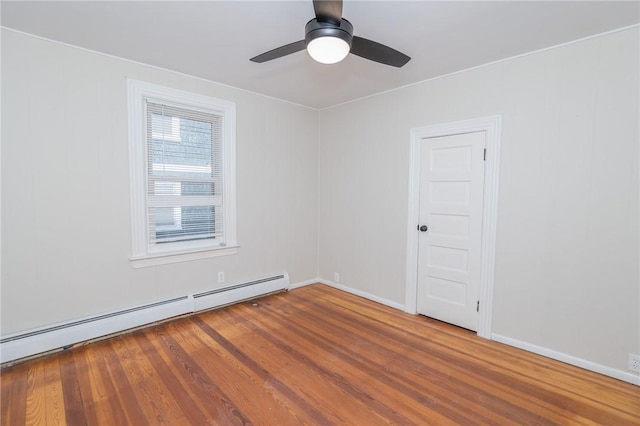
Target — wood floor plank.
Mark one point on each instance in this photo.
(75, 411)
(53, 397)
(14, 396)
(314, 356)
(35, 409)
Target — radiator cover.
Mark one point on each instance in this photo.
(58, 336)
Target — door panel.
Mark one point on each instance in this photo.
(451, 195)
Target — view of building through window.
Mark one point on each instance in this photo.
(182, 167)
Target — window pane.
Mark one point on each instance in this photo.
(168, 218)
(189, 155)
(198, 188)
(183, 223)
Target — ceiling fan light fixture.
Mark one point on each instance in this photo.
(328, 42)
(328, 49)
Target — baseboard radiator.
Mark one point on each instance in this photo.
(59, 336)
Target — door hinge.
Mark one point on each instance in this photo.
(478, 306)
(484, 157)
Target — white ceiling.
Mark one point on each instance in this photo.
(215, 39)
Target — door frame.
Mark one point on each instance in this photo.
(492, 126)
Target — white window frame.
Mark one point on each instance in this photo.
(142, 252)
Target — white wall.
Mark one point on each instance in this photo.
(567, 269)
(65, 188)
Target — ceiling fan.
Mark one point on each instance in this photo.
(329, 39)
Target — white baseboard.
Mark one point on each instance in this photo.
(364, 294)
(56, 336)
(569, 359)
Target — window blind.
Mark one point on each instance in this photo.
(184, 174)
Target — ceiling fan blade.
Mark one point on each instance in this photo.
(281, 51)
(378, 52)
(328, 10)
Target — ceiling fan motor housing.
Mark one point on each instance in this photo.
(315, 29)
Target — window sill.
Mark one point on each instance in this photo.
(175, 257)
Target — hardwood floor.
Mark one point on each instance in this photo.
(314, 356)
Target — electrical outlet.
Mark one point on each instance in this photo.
(336, 277)
(220, 277)
(633, 362)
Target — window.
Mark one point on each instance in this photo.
(182, 162)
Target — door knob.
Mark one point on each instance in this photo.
(423, 228)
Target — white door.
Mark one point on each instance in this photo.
(450, 233)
